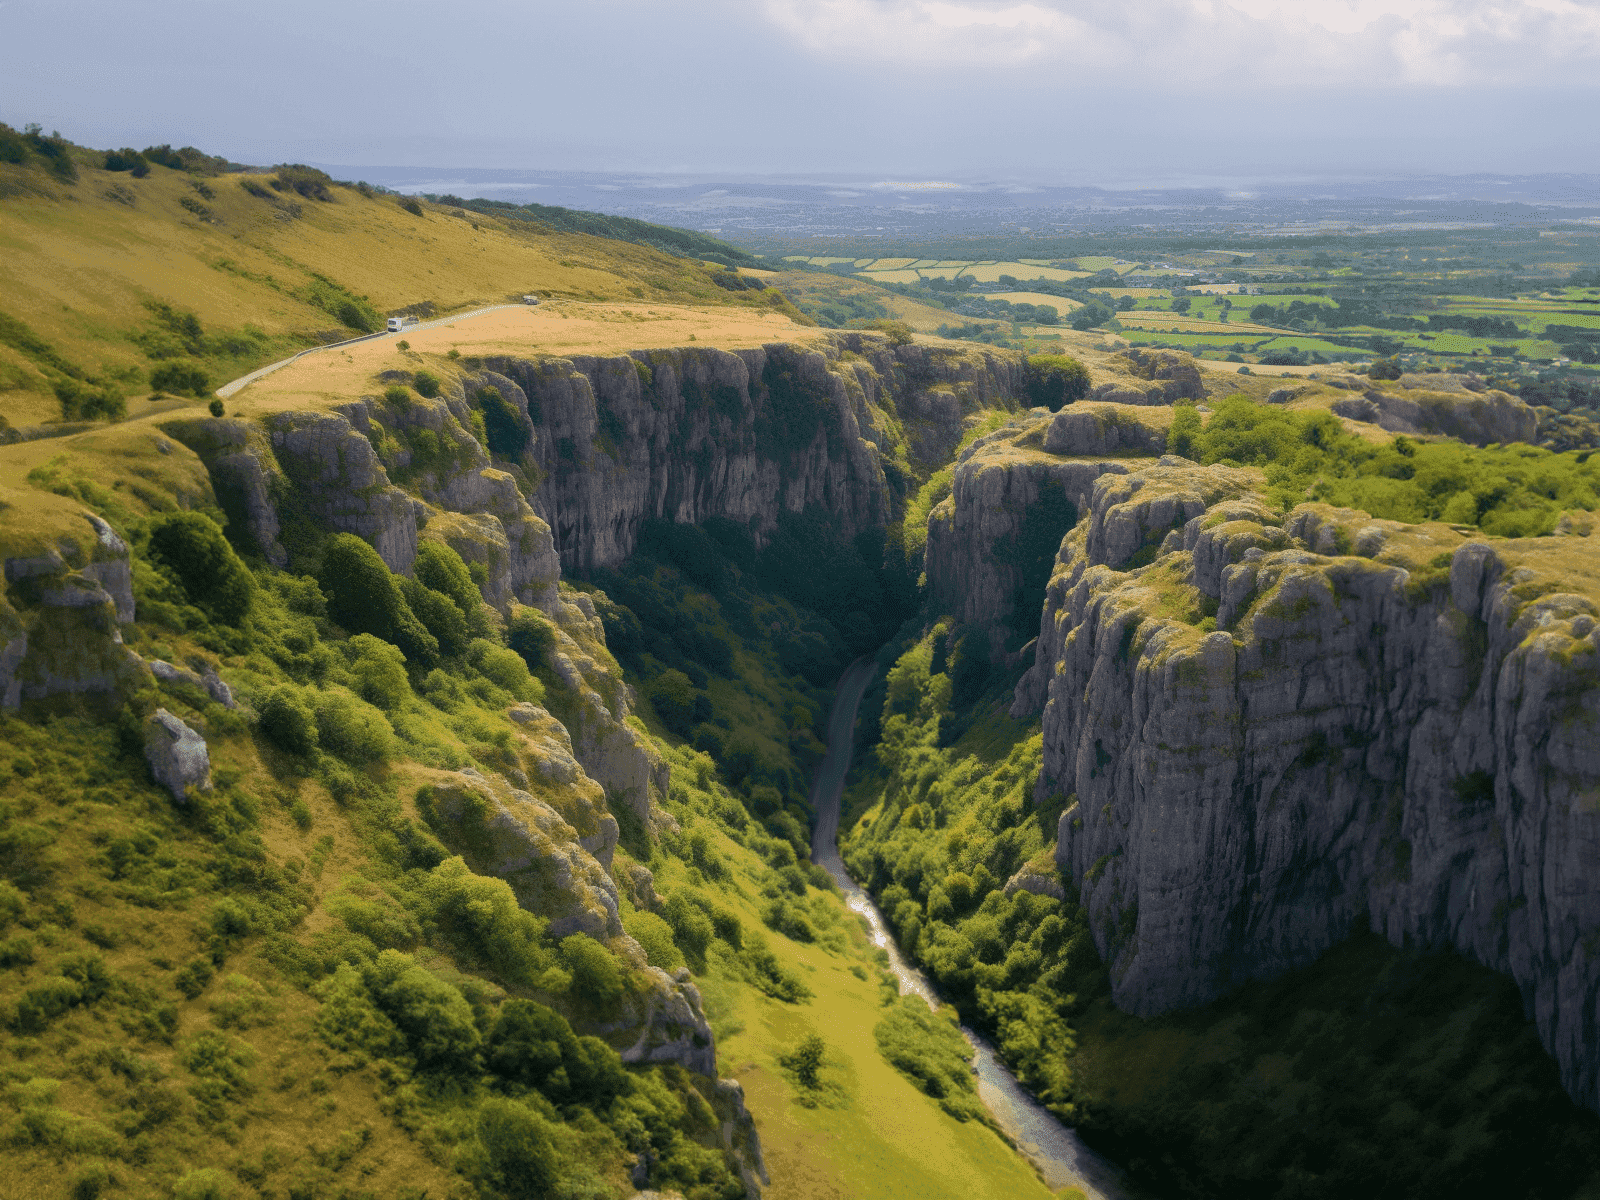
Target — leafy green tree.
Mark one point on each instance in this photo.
(596, 979)
(521, 1163)
(1055, 380)
(289, 723)
(364, 597)
(193, 547)
(439, 567)
(439, 614)
(435, 1017)
(180, 378)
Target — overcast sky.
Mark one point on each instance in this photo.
(1080, 91)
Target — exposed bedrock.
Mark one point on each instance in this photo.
(695, 433)
(1024, 485)
(1388, 723)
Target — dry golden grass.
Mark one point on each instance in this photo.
(560, 330)
(80, 264)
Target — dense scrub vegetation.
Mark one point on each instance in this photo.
(175, 979)
(1509, 491)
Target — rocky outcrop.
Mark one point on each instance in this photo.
(1102, 431)
(337, 480)
(60, 619)
(208, 682)
(672, 1026)
(739, 1136)
(1479, 418)
(1280, 728)
(694, 433)
(1150, 377)
(245, 476)
(1009, 493)
(505, 831)
(177, 755)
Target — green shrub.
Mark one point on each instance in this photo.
(932, 1052)
(180, 378)
(484, 925)
(426, 383)
(207, 1183)
(439, 567)
(439, 615)
(534, 1046)
(195, 976)
(520, 1161)
(364, 597)
(397, 395)
(596, 979)
(127, 159)
(351, 729)
(435, 1017)
(196, 550)
(806, 1060)
(90, 1180)
(303, 181)
(215, 408)
(1055, 380)
(348, 1020)
(379, 671)
(411, 206)
(532, 636)
(505, 669)
(45, 1001)
(655, 935)
(289, 723)
(691, 928)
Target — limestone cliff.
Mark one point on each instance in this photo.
(1024, 483)
(1275, 727)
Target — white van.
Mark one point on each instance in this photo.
(396, 324)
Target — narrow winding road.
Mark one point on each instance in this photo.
(1061, 1158)
(244, 381)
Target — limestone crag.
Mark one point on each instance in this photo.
(337, 480)
(505, 831)
(1149, 377)
(1387, 723)
(694, 433)
(177, 755)
(61, 617)
(672, 1026)
(1004, 481)
(1481, 418)
(245, 476)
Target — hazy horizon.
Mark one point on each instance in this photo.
(1068, 93)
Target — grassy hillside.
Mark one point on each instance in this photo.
(108, 278)
(313, 980)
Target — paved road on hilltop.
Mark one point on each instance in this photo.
(228, 389)
(1061, 1158)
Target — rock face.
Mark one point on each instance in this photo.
(505, 831)
(1480, 418)
(60, 619)
(695, 433)
(1008, 492)
(177, 755)
(1387, 724)
(1150, 377)
(672, 1027)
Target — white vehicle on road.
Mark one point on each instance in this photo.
(396, 324)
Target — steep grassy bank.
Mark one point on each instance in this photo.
(112, 281)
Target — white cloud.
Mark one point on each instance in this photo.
(1294, 42)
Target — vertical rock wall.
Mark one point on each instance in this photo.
(1387, 723)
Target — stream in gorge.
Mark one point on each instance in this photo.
(1056, 1150)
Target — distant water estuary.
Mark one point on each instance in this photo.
(1061, 1158)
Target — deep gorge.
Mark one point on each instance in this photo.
(1234, 739)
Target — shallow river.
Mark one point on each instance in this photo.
(1061, 1158)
